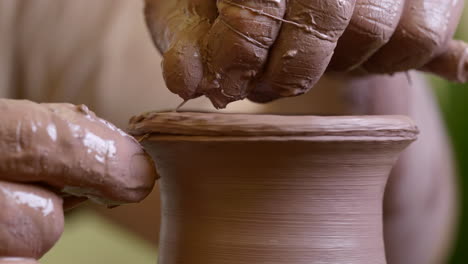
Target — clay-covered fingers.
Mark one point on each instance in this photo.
(177, 28)
(213, 48)
(421, 35)
(267, 49)
(237, 47)
(304, 47)
(371, 26)
(31, 221)
(70, 149)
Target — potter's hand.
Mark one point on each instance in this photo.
(266, 49)
(50, 152)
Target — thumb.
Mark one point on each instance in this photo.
(452, 64)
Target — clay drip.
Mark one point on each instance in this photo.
(272, 199)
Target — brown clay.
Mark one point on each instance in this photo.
(259, 194)
(301, 54)
(71, 151)
(269, 49)
(69, 148)
(31, 220)
(364, 36)
(17, 261)
(244, 125)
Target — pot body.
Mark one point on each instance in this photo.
(275, 200)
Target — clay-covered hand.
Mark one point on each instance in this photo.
(53, 156)
(265, 49)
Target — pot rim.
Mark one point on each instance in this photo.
(189, 126)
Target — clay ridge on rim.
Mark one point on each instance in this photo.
(247, 125)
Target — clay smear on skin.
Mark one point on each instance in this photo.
(263, 13)
(61, 145)
(33, 201)
(220, 95)
(34, 218)
(12, 260)
(99, 158)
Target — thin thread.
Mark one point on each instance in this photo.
(263, 13)
(180, 106)
(255, 42)
(409, 79)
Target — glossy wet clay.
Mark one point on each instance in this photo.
(54, 156)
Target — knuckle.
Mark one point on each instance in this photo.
(244, 48)
(256, 20)
(326, 21)
(372, 26)
(259, 32)
(375, 19)
(425, 37)
(272, 7)
(428, 34)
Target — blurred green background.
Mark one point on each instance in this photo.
(453, 99)
(90, 238)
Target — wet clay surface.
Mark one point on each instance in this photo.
(269, 49)
(70, 149)
(31, 220)
(17, 261)
(50, 152)
(236, 197)
(243, 125)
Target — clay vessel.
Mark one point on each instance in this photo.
(252, 189)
